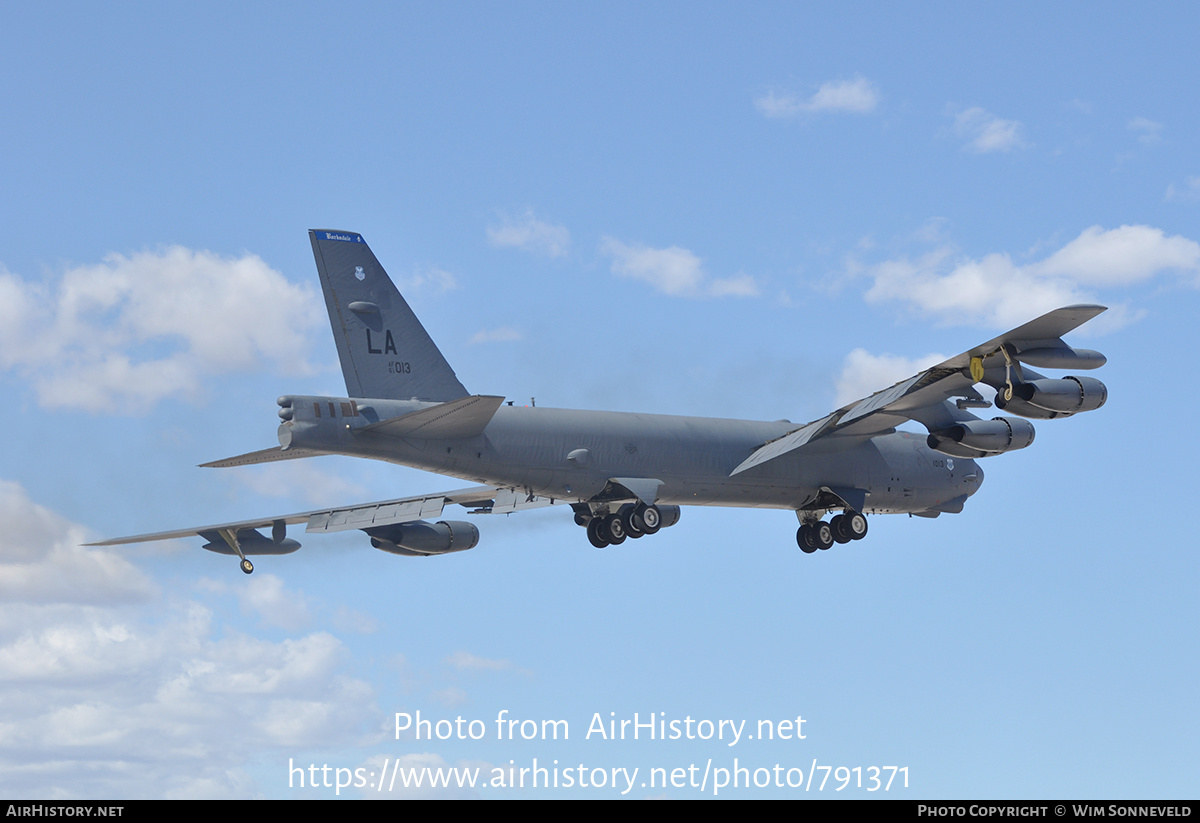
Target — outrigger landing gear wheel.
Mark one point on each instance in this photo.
(247, 566)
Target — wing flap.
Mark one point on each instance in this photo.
(783, 445)
(376, 514)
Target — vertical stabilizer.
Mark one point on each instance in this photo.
(384, 349)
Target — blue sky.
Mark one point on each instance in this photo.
(677, 208)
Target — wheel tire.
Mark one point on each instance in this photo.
(840, 527)
(803, 540)
(630, 520)
(247, 566)
(856, 525)
(596, 534)
(614, 529)
(650, 519)
(822, 535)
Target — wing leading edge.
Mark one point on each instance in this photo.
(365, 516)
(925, 397)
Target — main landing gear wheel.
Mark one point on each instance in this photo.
(247, 566)
(804, 539)
(822, 535)
(840, 529)
(649, 517)
(856, 525)
(595, 533)
(630, 521)
(614, 529)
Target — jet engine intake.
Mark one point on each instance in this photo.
(420, 538)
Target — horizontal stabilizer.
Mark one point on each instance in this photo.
(465, 417)
(263, 456)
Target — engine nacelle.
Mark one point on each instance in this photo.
(947, 446)
(1070, 394)
(1019, 406)
(974, 438)
(421, 538)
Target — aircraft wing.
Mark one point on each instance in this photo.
(923, 397)
(480, 499)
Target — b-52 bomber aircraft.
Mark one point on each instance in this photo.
(627, 475)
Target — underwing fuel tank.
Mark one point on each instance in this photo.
(252, 542)
(420, 538)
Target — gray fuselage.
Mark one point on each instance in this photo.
(572, 455)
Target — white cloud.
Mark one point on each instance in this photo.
(1148, 131)
(530, 234)
(1186, 192)
(740, 285)
(858, 96)
(675, 271)
(864, 373)
(465, 661)
(430, 280)
(315, 480)
(985, 132)
(98, 699)
(128, 332)
(42, 561)
(347, 619)
(449, 696)
(997, 291)
(392, 783)
(264, 595)
(1121, 256)
(504, 334)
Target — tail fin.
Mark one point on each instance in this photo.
(384, 349)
